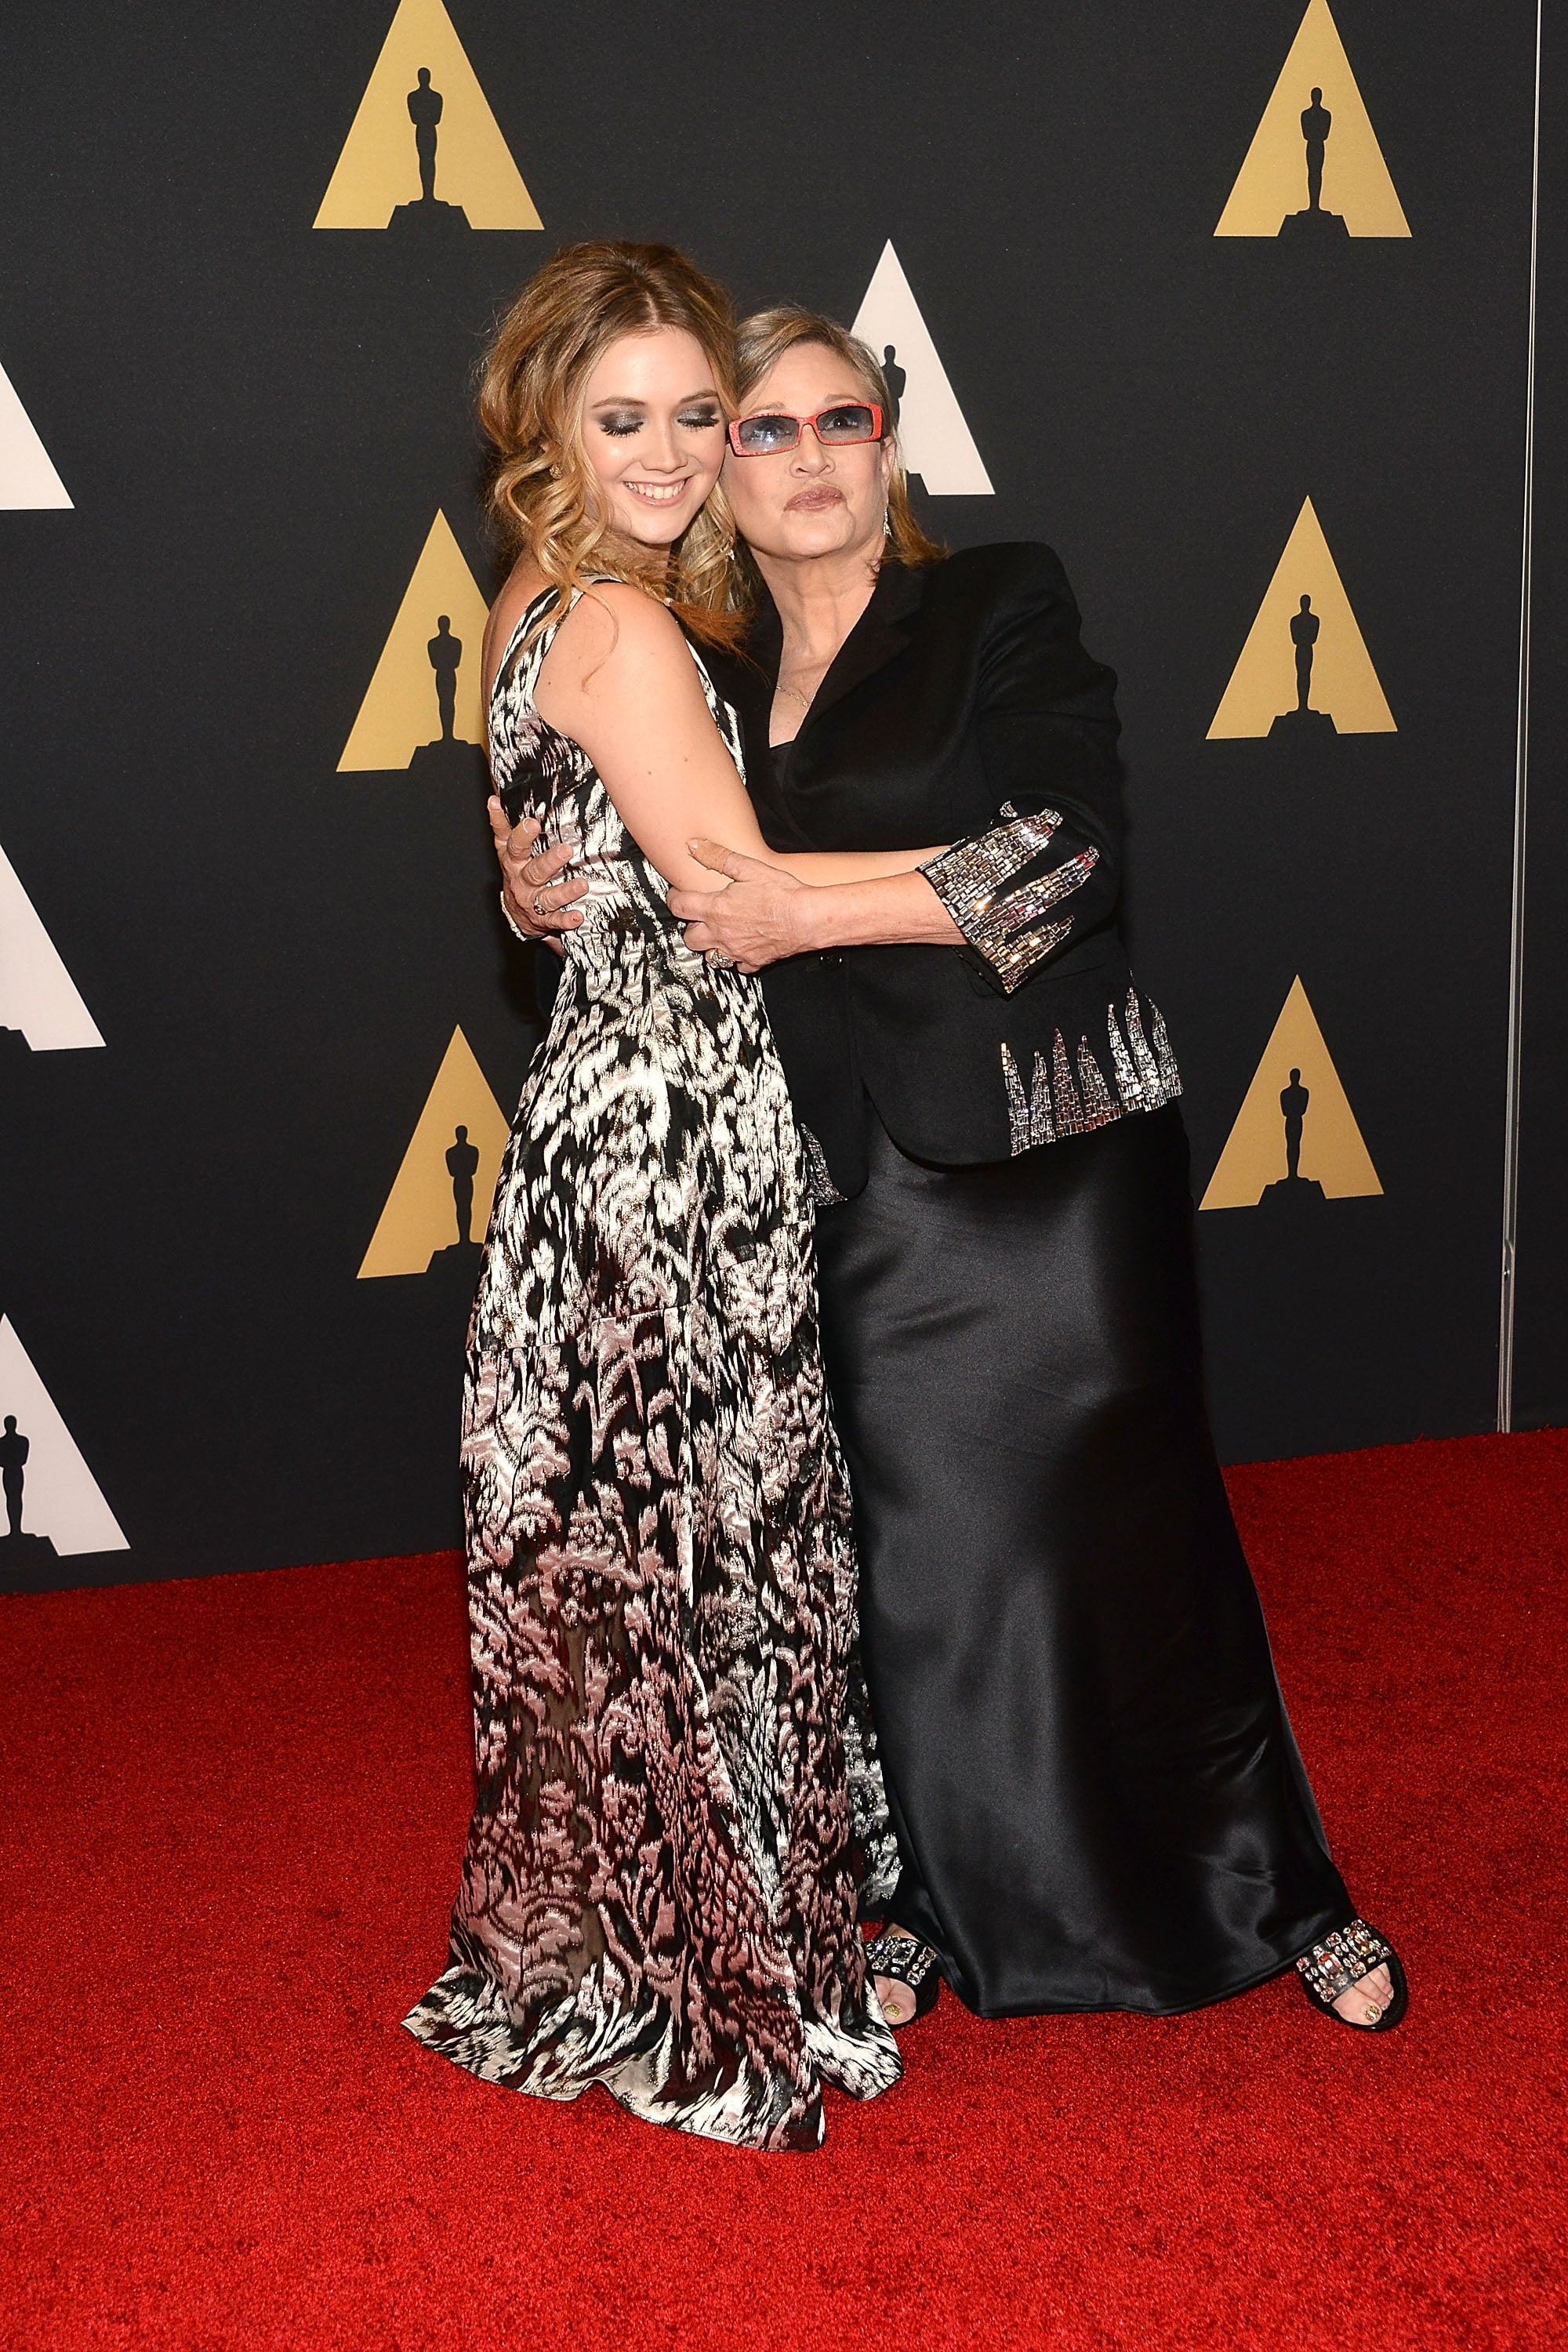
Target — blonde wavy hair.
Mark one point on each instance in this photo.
(761, 342)
(542, 490)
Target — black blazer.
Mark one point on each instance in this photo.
(961, 708)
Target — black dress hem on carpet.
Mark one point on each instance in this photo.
(1133, 2009)
(1099, 1801)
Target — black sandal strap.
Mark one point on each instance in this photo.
(1345, 1956)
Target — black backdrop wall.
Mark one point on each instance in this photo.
(256, 422)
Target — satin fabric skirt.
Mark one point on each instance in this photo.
(1099, 1801)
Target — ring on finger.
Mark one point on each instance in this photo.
(539, 907)
(719, 957)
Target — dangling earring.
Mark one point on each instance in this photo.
(887, 523)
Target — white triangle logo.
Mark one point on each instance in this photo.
(933, 439)
(27, 477)
(37, 994)
(48, 1488)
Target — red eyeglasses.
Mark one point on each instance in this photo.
(765, 434)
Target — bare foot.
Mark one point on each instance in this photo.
(1364, 2002)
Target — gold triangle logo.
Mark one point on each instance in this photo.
(1295, 1138)
(1304, 669)
(1314, 173)
(424, 154)
(441, 1195)
(425, 692)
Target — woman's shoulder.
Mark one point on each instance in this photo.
(617, 662)
(615, 626)
(1022, 572)
(519, 593)
(1011, 604)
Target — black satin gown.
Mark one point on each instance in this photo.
(1099, 1799)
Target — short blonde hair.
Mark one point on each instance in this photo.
(759, 344)
(542, 490)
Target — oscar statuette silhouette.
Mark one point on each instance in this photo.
(1315, 226)
(22, 1556)
(449, 755)
(898, 378)
(461, 1256)
(1305, 627)
(1293, 1191)
(428, 218)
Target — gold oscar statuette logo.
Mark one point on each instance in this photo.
(1295, 1142)
(1304, 672)
(1314, 174)
(424, 156)
(422, 707)
(436, 1209)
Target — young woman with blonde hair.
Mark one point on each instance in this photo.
(679, 1799)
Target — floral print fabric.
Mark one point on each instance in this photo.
(679, 1799)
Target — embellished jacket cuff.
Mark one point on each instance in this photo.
(1143, 1075)
(1003, 918)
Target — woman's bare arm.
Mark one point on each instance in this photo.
(619, 679)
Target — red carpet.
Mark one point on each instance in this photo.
(233, 1812)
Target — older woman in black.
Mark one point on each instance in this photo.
(1099, 1801)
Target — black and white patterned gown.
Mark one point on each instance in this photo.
(679, 1798)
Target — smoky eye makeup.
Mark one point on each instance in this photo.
(620, 423)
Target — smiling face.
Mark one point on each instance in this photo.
(811, 501)
(653, 430)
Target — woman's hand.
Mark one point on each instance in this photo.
(538, 901)
(757, 917)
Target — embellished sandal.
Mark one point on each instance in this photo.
(1332, 1967)
(907, 1962)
